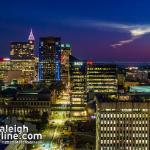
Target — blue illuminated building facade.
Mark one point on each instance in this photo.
(49, 68)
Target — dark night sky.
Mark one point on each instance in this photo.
(91, 26)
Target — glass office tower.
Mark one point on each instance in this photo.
(49, 68)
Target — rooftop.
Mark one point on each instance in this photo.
(127, 97)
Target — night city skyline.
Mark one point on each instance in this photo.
(92, 28)
(75, 75)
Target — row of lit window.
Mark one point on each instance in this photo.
(102, 87)
(115, 135)
(92, 68)
(127, 148)
(100, 83)
(115, 122)
(31, 103)
(100, 79)
(102, 75)
(126, 142)
(104, 128)
(125, 115)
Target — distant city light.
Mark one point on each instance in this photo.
(133, 68)
(93, 117)
(4, 59)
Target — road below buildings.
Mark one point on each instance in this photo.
(54, 137)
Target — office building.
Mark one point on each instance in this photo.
(23, 60)
(137, 74)
(88, 77)
(24, 71)
(4, 68)
(101, 78)
(77, 80)
(23, 50)
(65, 54)
(49, 68)
(25, 103)
(122, 122)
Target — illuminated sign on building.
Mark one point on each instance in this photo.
(78, 63)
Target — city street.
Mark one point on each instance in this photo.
(54, 137)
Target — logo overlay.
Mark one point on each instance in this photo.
(15, 132)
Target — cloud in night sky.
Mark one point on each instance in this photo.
(135, 31)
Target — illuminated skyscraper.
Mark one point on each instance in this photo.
(78, 81)
(49, 68)
(65, 54)
(23, 59)
(23, 50)
(90, 77)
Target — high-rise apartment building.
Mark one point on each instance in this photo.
(49, 68)
(123, 122)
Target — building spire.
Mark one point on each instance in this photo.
(31, 36)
